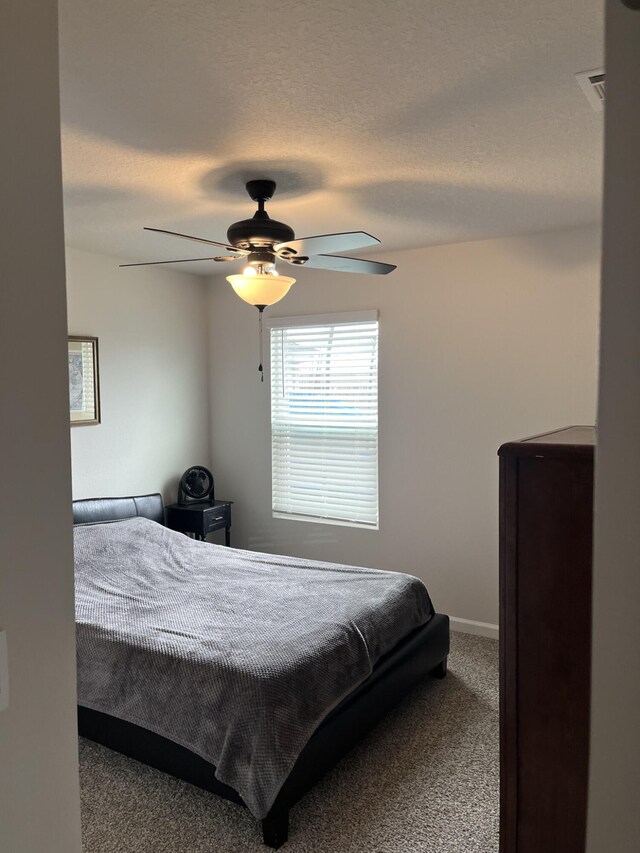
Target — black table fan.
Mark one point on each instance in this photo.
(196, 484)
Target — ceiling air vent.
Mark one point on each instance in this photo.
(592, 84)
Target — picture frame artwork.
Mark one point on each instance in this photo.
(84, 389)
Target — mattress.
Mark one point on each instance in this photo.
(235, 655)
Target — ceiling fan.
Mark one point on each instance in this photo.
(262, 240)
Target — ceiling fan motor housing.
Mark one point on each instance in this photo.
(259, 232)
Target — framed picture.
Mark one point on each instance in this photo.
(84, 390)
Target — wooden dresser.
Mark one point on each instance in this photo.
(546, 507)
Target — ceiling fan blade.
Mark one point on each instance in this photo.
(340, 264)
(240, 253)
(324, 243)
(180, 261)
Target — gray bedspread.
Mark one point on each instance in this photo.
(236, 655)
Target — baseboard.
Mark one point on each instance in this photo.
(480, 629)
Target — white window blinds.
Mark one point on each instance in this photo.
(324, 418)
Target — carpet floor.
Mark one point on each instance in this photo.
(424, 781)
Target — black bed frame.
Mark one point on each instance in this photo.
(422, 653)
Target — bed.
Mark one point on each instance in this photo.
(374, 659)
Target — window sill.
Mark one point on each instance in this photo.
(316, 519)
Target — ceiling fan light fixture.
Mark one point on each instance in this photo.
(261, 290)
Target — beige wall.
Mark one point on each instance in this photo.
(614, 817)
(152, 330)
(480, 343)
(39, 798)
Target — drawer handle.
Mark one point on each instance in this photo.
(218, 518)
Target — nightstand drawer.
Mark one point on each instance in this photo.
(216, 519)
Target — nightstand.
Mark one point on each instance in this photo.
(200, 518)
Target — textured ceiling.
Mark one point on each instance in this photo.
(420, 121)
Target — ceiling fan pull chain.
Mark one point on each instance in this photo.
(260, 310)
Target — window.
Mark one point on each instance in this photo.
(324, 418)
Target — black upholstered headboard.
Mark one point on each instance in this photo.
(115, 509)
